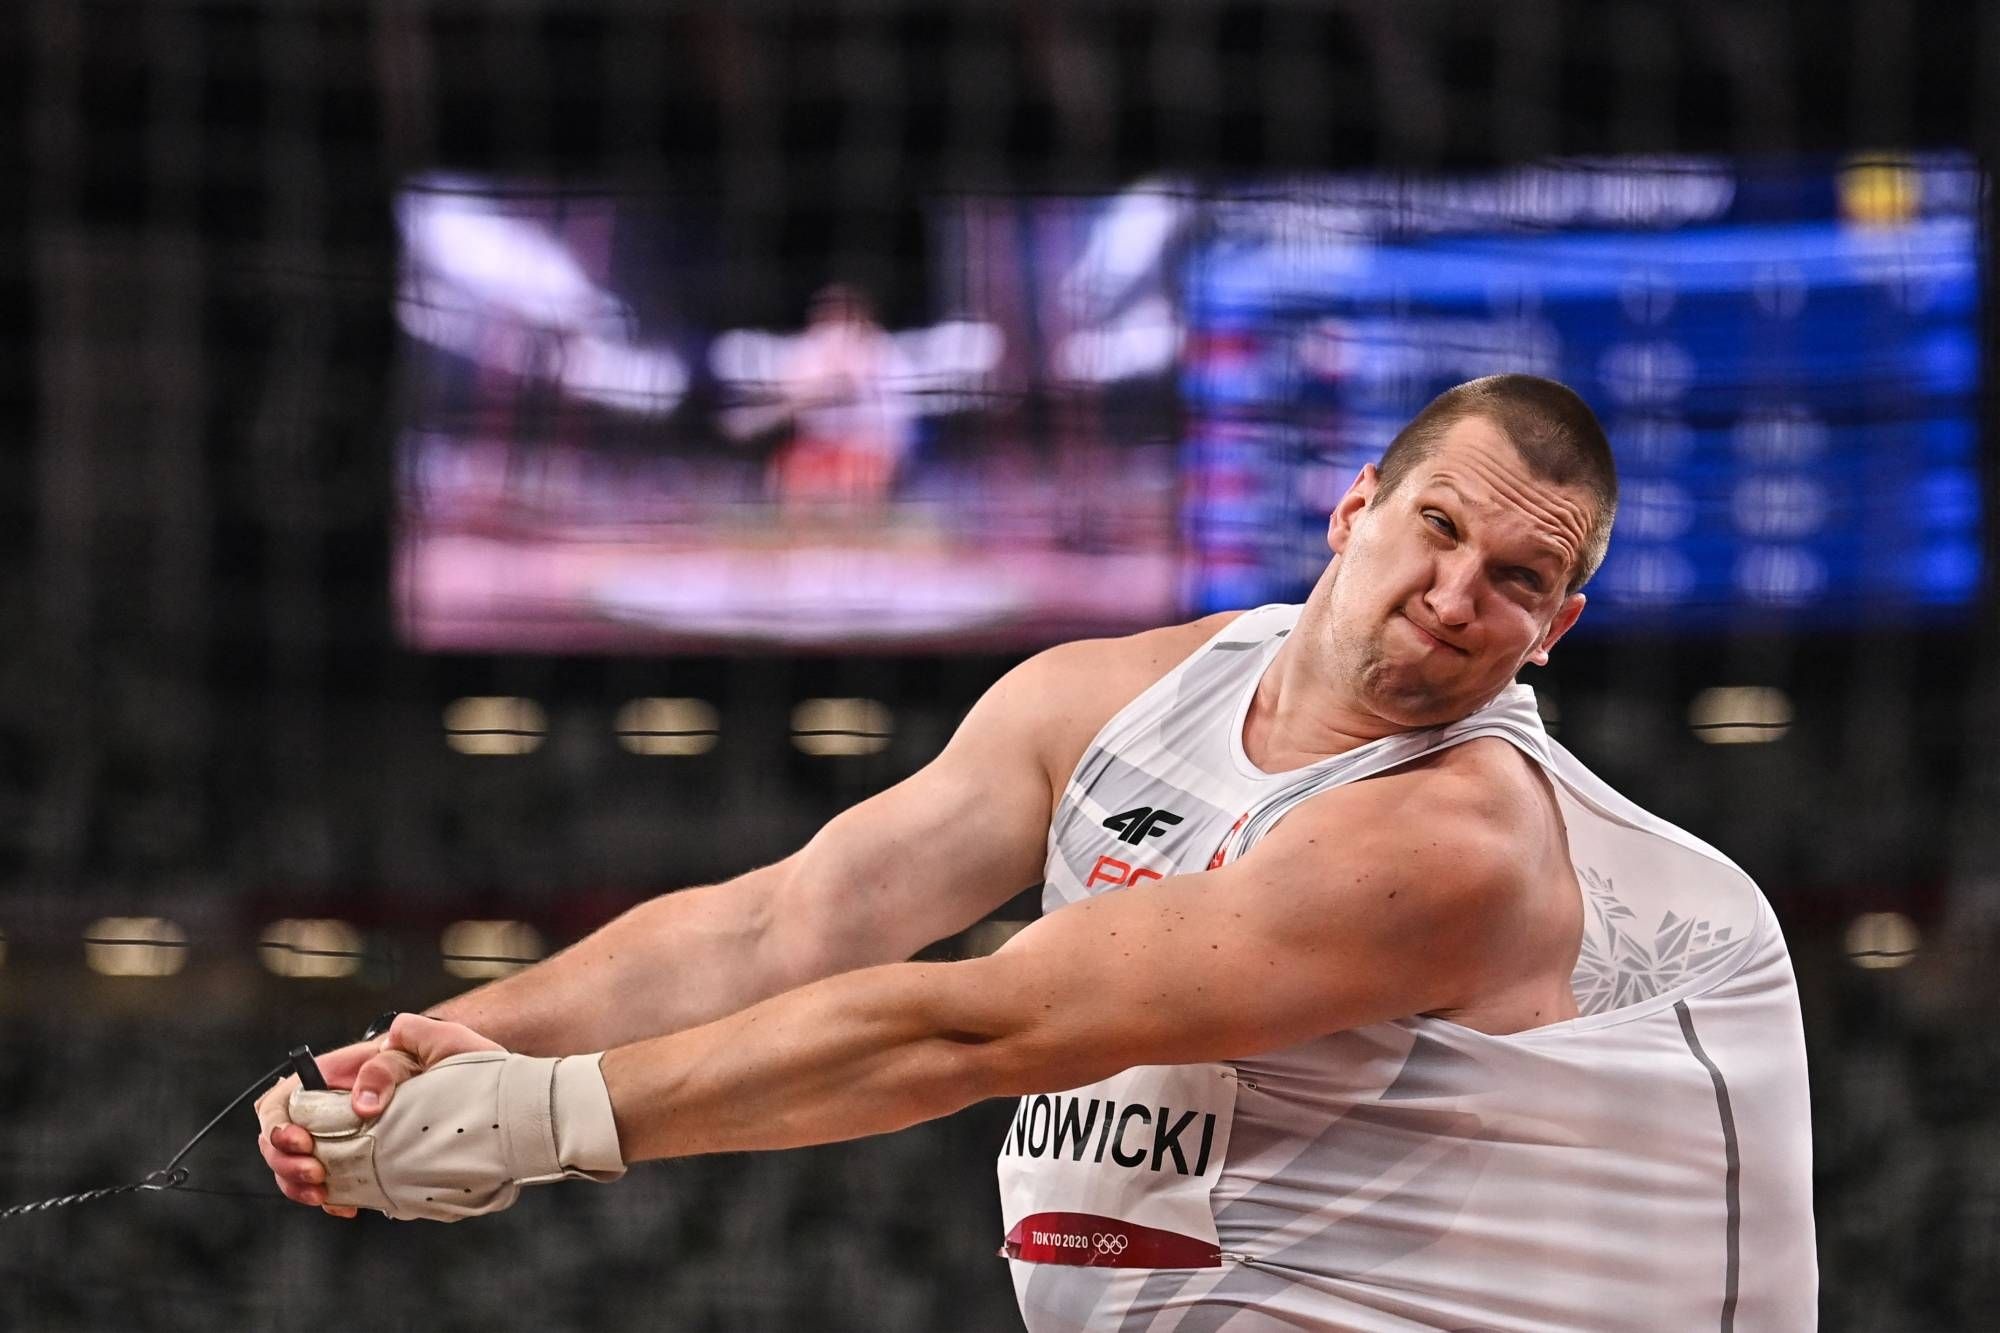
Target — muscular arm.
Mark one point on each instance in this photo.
(1397, 896)
(918, 862)
(921, 861)
(875, 885)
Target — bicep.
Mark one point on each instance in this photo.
(937, 851)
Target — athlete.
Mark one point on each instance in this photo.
(1356, 1002)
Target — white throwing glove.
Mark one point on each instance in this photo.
(461, 1138)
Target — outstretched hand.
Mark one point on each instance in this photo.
(372, 1070)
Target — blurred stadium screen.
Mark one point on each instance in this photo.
(601, 454)
(1120, 408)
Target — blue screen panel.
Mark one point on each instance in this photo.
(1787, 363)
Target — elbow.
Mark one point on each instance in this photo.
(965, 1072)
(1024, 1061)
(1004, 1042)
(959, 1052)
(1022, 1069)
(816, 921)
(794, 941)
(975, 1068)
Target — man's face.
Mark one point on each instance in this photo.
(1454, 580)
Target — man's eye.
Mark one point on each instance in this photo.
(1528, 579)
(1439, 521)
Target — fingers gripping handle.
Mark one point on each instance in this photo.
(460, 1139)
(344, 1147)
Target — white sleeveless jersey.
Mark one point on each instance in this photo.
(1646, 1165)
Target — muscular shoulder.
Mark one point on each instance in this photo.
(1115, 671)
(1064, 695)
(1489, 785)
(1474, 824)
(1469, 845)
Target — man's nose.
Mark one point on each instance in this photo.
(1453, 592)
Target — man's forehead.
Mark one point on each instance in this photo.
(1476, 459)
(1477, 443)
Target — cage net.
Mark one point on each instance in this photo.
(333, 327)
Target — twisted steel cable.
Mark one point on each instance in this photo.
(172, 1176)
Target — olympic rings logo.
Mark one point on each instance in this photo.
(1109, 1243)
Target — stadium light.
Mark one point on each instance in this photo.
(311, 948)
(134, 946)
(489, 948)
(668, 726)
(495, 724)
(1740, 714)
(1882, 939)
(842, 726)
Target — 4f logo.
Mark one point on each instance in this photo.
(1138, 824)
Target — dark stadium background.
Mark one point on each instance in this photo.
(205, 712)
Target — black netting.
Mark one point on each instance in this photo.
(209, 711)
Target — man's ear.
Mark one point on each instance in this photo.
(1340, 524)
(1572, 607)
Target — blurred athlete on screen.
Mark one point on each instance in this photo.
(846, 395)
(844, 388)
(1356, 1003)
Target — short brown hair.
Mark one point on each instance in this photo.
(1554, 431)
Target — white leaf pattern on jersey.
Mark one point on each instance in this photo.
(1616, 968)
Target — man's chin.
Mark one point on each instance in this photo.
(1411, 705)
(1408, 707)
(1415, 719)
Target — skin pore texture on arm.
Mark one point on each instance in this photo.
(1412, 893)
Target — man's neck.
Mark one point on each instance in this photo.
(1303, 709)
(1300, 712)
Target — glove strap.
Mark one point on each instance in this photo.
(586, 1131)
(556, 1117)
(527, 1116)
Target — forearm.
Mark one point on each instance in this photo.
(863, 1053)
(677, 961)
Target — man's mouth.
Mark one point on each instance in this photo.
(1433, 638)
